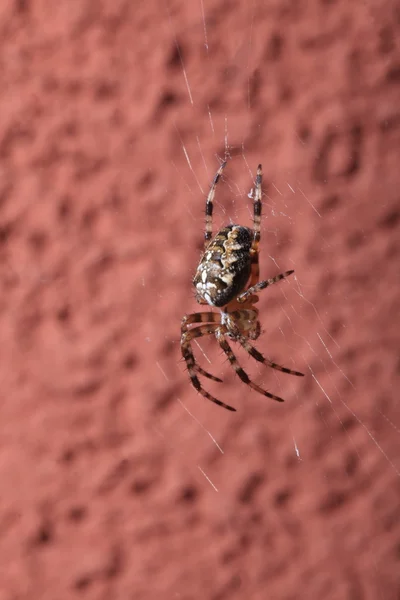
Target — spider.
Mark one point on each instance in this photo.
(227, 278)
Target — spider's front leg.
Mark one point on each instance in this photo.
(220, 334)
(187, 335)
(243, 321)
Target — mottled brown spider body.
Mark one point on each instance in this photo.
(225, 266)
(227, 278)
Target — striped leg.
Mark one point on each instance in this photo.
(262, 285)
(204, 317)
(255, 268)
(210, 205)
(235, 364)
(199, 317)
(193, 368)
(260, 358)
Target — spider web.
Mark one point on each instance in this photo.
(98, 253)
(286, 201)
(313, 334)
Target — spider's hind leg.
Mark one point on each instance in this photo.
(262, 285)
(210, 205)
(254, 251)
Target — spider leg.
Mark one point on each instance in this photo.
(191, 364)
(201, 301)
(262, 285)
(200, 317)
(210, 205)
(254, 251)
(201, 371)
(220, 335)
(260, 358)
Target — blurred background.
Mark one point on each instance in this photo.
(118, 481)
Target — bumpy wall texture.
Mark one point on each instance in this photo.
(113, 115)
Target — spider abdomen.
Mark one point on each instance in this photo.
(225, 266)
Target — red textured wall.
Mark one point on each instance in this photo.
(113, 118)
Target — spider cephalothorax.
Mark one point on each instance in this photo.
(228, 278)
